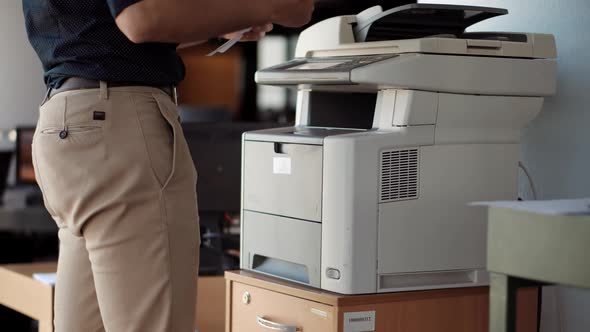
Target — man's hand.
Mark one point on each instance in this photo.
(292, 13)
(257, 33)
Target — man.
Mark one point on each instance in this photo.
(110, 157)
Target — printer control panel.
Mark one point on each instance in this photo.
(327, 70)
(331, 63)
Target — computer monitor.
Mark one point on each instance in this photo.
(25, 173)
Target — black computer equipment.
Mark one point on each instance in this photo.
(201, 114)
(325, 9)
(216, 149)
(5, 159)
(25, 173)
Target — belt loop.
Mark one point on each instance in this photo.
(104, 90)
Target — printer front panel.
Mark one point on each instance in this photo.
(281, 206)
(282, 176)
(283, 179)
(283, 183)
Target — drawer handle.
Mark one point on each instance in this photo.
(275, 326)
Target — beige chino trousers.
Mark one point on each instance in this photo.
(118, 179)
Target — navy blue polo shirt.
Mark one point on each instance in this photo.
(80, 38)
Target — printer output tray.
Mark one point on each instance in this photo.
(282, 247)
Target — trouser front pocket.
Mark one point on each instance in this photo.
(159, 135)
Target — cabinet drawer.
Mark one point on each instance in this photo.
(283, 179)
(258, 310)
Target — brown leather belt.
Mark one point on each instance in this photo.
(79, 83)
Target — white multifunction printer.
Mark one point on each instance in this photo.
(402, 119)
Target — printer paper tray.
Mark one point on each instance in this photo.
(282, 247)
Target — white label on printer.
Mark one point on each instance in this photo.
(362, 321)
(281, 165)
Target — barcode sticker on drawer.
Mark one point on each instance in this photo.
(362, 321)
(281, 165)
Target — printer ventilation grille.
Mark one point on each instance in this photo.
(399, 175)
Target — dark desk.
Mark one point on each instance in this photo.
(27, 234)
(27, 220)
(18, 218)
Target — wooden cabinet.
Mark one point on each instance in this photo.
(258, 303)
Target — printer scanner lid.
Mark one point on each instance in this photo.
(419, 28)
(420, 20)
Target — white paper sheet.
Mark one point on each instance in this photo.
(553, 207)
(45, 278)
(227, 45)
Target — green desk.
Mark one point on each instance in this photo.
(528, 249)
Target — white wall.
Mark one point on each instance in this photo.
(21, 75)
(556, 146)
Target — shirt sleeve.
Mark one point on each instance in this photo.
(117, 6)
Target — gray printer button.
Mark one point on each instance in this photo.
(333, 273)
